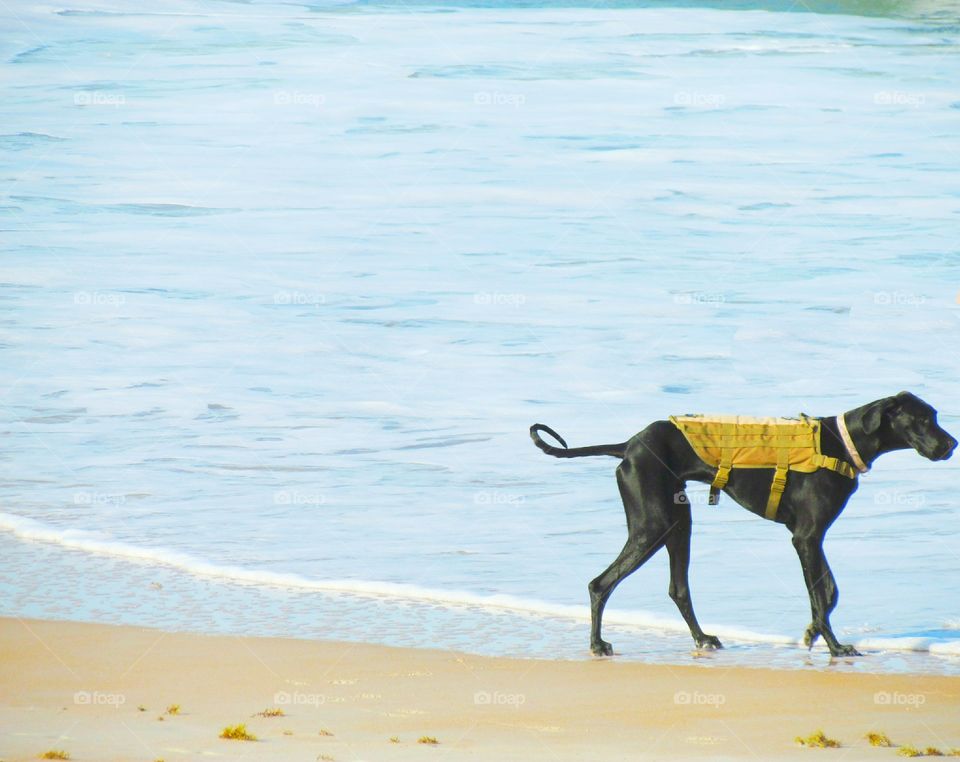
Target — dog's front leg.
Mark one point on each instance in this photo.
(823, 594)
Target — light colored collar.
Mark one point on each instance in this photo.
(850, 446)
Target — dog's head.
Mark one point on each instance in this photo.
(912, 421)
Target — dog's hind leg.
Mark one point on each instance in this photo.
(823, 594)
(629, 560)
(678, 546)
(647, 533)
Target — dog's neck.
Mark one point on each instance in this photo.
(871, 445)
(850, 448)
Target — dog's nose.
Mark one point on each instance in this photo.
(948, 452)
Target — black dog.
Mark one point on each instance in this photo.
(659, 461)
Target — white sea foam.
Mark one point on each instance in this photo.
(92, 542)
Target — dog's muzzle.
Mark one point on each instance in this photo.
(946, 452)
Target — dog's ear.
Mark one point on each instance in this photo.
(873, 415)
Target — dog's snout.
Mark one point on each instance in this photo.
(945, 452)
(951, 446)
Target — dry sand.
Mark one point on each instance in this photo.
(102, 692)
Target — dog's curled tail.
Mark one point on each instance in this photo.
(616, 450)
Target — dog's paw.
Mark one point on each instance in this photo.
(601, 648)
(810, 636)
(709, 642)
(844, 650)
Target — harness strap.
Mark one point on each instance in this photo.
(779, 483)
(835, 464)
(720, 478)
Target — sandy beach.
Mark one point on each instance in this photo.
(102, 692)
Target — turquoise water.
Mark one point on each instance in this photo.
(283, 287)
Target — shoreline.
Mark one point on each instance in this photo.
(111, 589)
(103, 692)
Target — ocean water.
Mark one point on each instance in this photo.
(283, 286)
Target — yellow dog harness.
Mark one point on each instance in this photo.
(737, 441)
